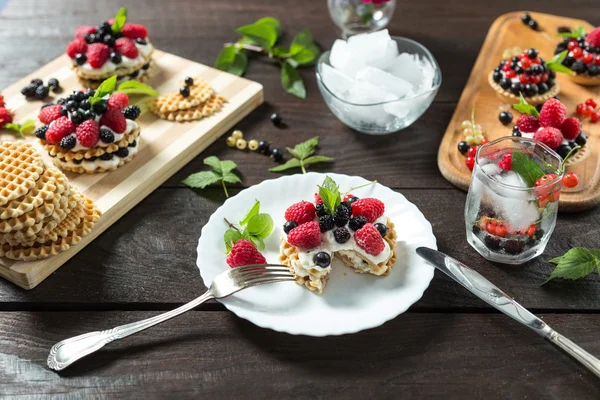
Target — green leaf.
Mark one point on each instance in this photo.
(291, 163)
(230, 177)
(135, 87)
(555, 64)
(220, 167)
(253, 211)
(579, 31)
(232, 60)
(330, 194)
(524, 108)
(105, 89)
(529, 170)
(258, 243)
(301, 41)
(292, 81)
(263, 34)
(230, 237)
(260, 225)
(272, 22)
(305, 149)
(120, 20)
(201, 179)
(307, 56)
(317, 159)
(28, 126)
(280, 52)
(575, 264)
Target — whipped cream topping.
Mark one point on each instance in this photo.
(90, 166)
(529, 135)
(144, 51)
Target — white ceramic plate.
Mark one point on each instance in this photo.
(352, 302)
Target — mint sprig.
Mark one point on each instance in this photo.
(255, 226)
(577, 32)
(120, 20)
(106, 88)
(135, 87)
(575, 264)
(555, 63)
(23, 129)
(330, 194)
(529, 170)
(222, 172)
(303, 154)
(525, 108)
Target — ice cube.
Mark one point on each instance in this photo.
(387, 58)
(384, 80)
(491, 169)
(365, 93)
(369, 46)
(340, 54)
(513, 204)
(428, 74)
(336, 81)
(407, 67)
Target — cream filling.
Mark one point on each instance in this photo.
(91, 166)
(144, 51)
(529, 135)
(131, 125)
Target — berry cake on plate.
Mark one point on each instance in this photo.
(90, 131)
(113, 48)
(583, 56)
(354, 230)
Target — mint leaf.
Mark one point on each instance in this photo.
(575, 264)
(291, 163)
(292, 81)
(555, 64)
(220, 167)
(529, 170)
(280, 52)
(21, 129)
(302, 153)
(579, 31)
(272, 22)
(120, 20)
(201, 179)
(230, 177)
(258, 243)
(260, 226)
(230, 237)
(316, 159)
(308, 56)
(253, 211)
(524, 108)
(231, 60)
(303, 51)
(305, 149)
(263, 34)
(301, 41)
(221, 172)
(105, 89)
(330, 194)
(135, 87)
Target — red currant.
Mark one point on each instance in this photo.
(577, 52)
(545, 179)
(591, 102)
(531, 230)
(598, 59)
(554, 196)
(536, 79)
(543, 201)
(579, 109)
(570, 180)
(510, 74)
(470, 162)
(572, 44)
(545, 77)
(587, 110)
(485, 140)
(588, 58)
(594, 117)
(491, 229)
(501, 231)
(524, 79)
(525, 62)
(472, 151)
(506, 66)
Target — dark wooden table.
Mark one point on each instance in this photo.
(448, 345)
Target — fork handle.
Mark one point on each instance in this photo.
(70, 350)
(585, 358)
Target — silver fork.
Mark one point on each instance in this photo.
(225, 284)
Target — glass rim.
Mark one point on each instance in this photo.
(437, 81)
(520, 139)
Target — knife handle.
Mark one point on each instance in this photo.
(585, 358)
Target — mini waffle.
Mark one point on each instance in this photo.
(44, 250)
(289, 256)
(21, 166)
(212, 105)
(81, 170)
(200, 92)
(50, 183)
(509, 97)
(585, 80)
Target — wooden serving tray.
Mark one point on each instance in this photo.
(507, 32)
(165, 148)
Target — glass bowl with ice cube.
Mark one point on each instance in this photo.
(512, 203)
(378, 84)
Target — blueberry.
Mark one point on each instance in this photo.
(106, 135)
(277, 155)
(563, 150)
(53, 84)
(505, 117)
(89, 114)
(100, 107)
(78, 96)
(115, 58)
(526, 18)
(63, 111)
(77, 117)
(41, 92)
(132, 144)
(543, 88)
(568, 61)
(288, 226)
(383, 230)
(28, 91)
(140, 41)
(322, 259)
(37, 82)
(352, 200)
(134, 74)
(563, 29)
(581, 139)
(498, 76)
(341, 235)
(189, 81)
(89, 93)
(516, 88)
(61, 101)
(276, 119)
(505, 83)
(108, 40)
(533, 25)
(122, 152)
(532, 53)
(90, 38)
(531, 89)
(72, 105)
(184, 91)
(85, 105)
(263, 147)
(517, 133)
(106, 156)
(146, 66)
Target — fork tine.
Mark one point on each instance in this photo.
(263, 273)
(260, 267)
(269, 276)
(255, 282)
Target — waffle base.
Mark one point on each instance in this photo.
(585, 80)
(288, 255)
(99, 169)
(200, 92)
(120, 72)
(211, 106)
(20, 168)
(510, 98)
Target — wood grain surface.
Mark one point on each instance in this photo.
(449, 345)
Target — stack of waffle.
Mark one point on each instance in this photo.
(41, 214)
(201, 102)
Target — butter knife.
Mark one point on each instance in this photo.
(488, 292)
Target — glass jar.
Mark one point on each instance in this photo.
(360, 16)
(510, 212)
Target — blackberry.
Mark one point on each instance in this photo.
(513, 246)
(579, 67)
(322, 259)
(77, 117)
(357, 222)
(321, 210)
(53, 84)
(140, 41)
(41, 92)
(276, 119)
(28, 91)
(341, 235)
(581, 139)
(106, 136)
(40, 133)
(184, 91)
(538, 234)
(106, 156)
(115, 58)
(505, 117)
(505, 83)
(189, 81)
(277, 155)
(85, 105)
(100, 107)
(326, 223)
(122, 152)
(68, 142)
(90, 38)
(37, 82)
(80, 58)
(342, 215)
(132, 112)
(351, 200)
(492, 243)
(383, 230)
(263, 147)
(593, 70)
(288, 226)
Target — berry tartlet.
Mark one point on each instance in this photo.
(526, 74)
(583, 56)
(113, 48)
(354, 230)
(90, 131)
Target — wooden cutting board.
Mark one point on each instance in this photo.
(507, 32)
(165, 148)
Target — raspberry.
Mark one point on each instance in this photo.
(118, 100)
(2, 101)
(570, 128)
(115, 120)
(593, 38)
(550, 137)
(126, 47)
(243, 253)
(49, 114)
(60, 128)
(318, 199)
(301, 212)
(134, 31)
(83, 30)
(306, 236)
(97, 54)
(5, 117)
(528, 123)
(506, 162)
(369, 239)
(369, 208)
(77, 46)
(553, 114)
(88, 133)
